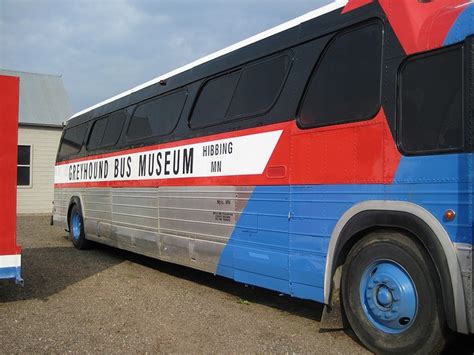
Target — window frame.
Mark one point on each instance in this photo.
(136, 106)
(91, 129)
(89, 133)
(200, 90)
(336, 35)
(285, 53)
(30, 166)
(398, 120)
(61, 141)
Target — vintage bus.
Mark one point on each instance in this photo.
(329, 158)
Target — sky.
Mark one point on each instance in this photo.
(102, 48)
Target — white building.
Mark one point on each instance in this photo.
(44, 105)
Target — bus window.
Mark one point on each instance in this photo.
(346, 84)
(97, 133)
(431, 102)
(114, 129)
(246, 92)
(72, 141)
(157, 117)
(259, 86)
(214, 99)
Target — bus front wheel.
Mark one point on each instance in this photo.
(390, 296)
(76, 228)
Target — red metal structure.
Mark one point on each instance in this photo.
(10, 252)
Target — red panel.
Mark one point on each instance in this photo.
(356, 153)
(421, 26)
(9, 95)
(355, 4)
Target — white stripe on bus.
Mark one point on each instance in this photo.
(10, 261)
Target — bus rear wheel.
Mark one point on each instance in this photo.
(76, 229)
(390, 296)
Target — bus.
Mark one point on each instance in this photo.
(329, 158)
(10, 252)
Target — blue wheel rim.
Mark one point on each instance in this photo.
(76, 224)
(388, 296)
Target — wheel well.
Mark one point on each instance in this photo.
(74, 201)
(349, 244)
(412, 226)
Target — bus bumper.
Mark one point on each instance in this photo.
(10, 268)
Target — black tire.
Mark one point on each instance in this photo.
(361, 295)
(76, 228)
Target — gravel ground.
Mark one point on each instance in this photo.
(110, 301)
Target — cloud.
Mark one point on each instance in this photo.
(102, 48)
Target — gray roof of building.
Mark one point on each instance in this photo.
(43, 98)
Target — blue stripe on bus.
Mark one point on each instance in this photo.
(463, 27)
(11, 273)
(286, 251)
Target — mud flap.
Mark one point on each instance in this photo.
(332, 318)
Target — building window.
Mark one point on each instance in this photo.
(24, 165)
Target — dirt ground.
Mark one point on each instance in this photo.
(110, 301)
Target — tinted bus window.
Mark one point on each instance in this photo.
(106, 131)
(113, 129)
(346, 84)
(214, 99)
(431, 102)
(259, 86)
(246, 92)
(97, 133)
(72, 141)
(156, 117)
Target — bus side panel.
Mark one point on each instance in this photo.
(184, 225)
(257, 252)
(195, 222)
(10, 258)
(436, 183)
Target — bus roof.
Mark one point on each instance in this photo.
(336, 4)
